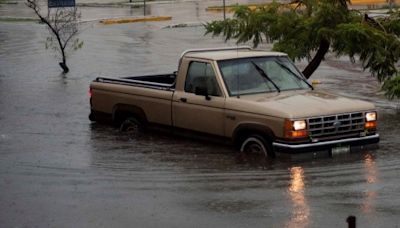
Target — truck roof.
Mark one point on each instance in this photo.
(231, 54)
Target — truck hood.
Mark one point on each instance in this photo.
(299, 104)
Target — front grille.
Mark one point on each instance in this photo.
(336, 124)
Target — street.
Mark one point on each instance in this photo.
(57, 169)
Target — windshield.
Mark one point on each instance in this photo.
(261, 75)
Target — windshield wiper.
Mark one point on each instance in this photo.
(262, 73)
(294, 74)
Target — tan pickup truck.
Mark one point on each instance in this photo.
(257, 100)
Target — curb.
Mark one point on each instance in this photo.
(134, 20)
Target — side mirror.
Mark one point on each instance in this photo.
(202, 91)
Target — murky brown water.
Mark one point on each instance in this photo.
(59, 170)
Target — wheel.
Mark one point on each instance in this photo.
(92, 117)
(258, 145)
(131, 125)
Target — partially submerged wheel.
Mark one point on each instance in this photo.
(132, 126)
(257, 145)
(92, 117)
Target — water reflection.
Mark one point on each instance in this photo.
(371, 176)
(301, 211)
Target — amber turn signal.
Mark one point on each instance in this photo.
(371, 125)
(296, 134)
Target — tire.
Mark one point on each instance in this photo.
(92, 117)
(132, 126)
(256, 144)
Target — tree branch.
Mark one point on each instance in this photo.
(61, 24)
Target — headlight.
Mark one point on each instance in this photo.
(299, 125)
(370, 116)
(295, 129)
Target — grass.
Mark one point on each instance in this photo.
(111, 4)
(14, 19)
(133, 20)
(7, 2)
(395, 6)
(230, 8)
(125, 3)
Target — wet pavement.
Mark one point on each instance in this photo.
(57, 169)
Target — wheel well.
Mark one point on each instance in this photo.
(121, 112)
(243, 131)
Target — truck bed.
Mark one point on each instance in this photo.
(160, 81)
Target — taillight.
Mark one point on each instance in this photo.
(90, 92)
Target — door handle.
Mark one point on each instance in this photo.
(183, 99)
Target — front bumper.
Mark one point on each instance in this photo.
(326, 145)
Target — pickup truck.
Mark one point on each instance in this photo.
(256, 100)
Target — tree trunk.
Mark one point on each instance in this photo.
(319, 56)
(64, 67)
(63, 64)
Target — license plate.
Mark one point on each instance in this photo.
(340, 150)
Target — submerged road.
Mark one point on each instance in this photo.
(57, 169)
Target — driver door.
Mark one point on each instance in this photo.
(200, 112)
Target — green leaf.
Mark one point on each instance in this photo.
(392, 87)
(299, 32)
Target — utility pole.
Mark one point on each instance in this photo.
(224, 6)
(391, 5)
(144, 7)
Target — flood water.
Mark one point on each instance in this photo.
(57, 169)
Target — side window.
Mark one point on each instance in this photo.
(201, 75)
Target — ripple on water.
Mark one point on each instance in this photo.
(59, 153)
